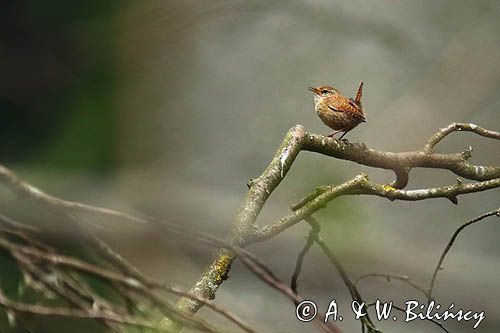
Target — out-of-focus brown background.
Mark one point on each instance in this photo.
(167, 108)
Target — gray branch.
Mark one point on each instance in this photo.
(244, 230)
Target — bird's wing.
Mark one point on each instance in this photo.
(348, 106)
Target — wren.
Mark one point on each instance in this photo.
(336, 111)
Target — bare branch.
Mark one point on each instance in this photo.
(402, 177)
(24, 189)
(390, 277)
(443, 132)
(307, 209)
(244, 231)
(266, 275)
(300, 258)
(449, 192)
(495, 212)
(360, 185)
(355, 295)
(21, 252)
(359, 153)
(261, 271)
(71, 313)
(16, 225)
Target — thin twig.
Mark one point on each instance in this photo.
(244, 231)
(443, 132)
(266, 275)
(300, 258)
(355, 295)
(17, 225)
(450, 244)
(361, 185)
(71, 313)
(390, 277)
(129, 282)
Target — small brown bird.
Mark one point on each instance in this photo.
(338, 112)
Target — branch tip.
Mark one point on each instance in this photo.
(467, 153)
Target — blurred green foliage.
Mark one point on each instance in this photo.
(56, 99)
(56, 108)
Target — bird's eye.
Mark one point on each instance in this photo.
(325, 91)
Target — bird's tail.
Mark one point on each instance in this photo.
(359, 94)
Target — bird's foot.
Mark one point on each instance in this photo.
(331, 135)
(343, 140)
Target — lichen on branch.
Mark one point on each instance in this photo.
(245, 231)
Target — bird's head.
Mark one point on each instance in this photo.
(324, 91)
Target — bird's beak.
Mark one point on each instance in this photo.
(312, 89)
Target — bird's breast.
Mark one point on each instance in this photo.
(336, 120)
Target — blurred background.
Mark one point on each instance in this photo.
(168, 108)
